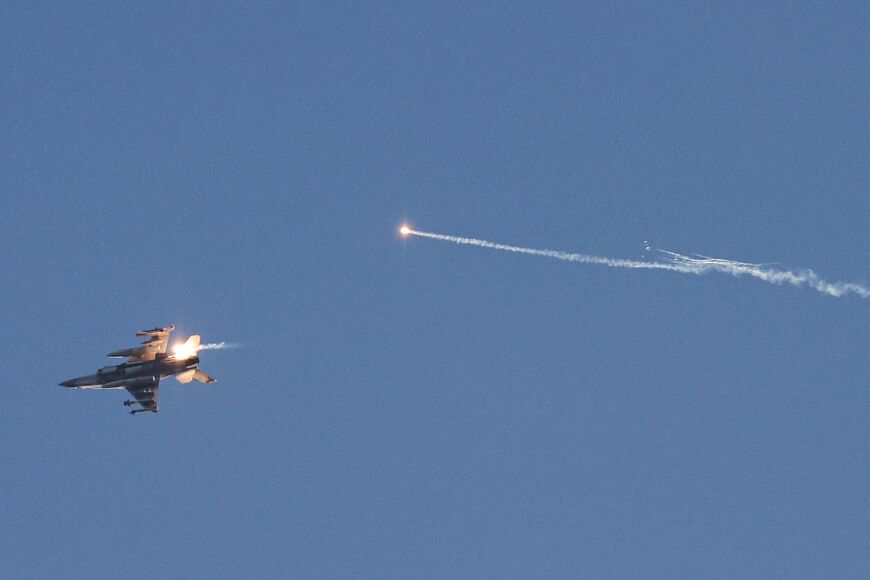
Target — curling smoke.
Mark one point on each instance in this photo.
(674, 262)
(805, 277)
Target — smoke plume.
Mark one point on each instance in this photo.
(219, 346)
(674, 262)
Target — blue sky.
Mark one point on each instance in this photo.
(410, 408)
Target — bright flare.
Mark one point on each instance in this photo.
(184, 350)
(405, 230)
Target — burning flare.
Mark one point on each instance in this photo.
(186, 349)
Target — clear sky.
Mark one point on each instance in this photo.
(413, 408)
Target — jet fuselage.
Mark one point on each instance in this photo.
(112, 377)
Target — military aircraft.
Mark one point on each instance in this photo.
(147, 364)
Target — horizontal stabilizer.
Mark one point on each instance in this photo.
(186, 376)
(202, 377)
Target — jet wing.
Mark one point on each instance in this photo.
(145, 392)
(154, 344)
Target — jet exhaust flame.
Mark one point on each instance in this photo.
(672, 262)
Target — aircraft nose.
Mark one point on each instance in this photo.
(69, 383)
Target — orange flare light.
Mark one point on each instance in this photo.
(405, 230)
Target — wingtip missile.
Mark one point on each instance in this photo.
(154, 331)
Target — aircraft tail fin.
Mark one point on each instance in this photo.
(192, 344)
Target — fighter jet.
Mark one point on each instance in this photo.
(146, 365)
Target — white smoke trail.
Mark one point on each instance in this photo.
(676, 263)
(219, 346)
(704, 264)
